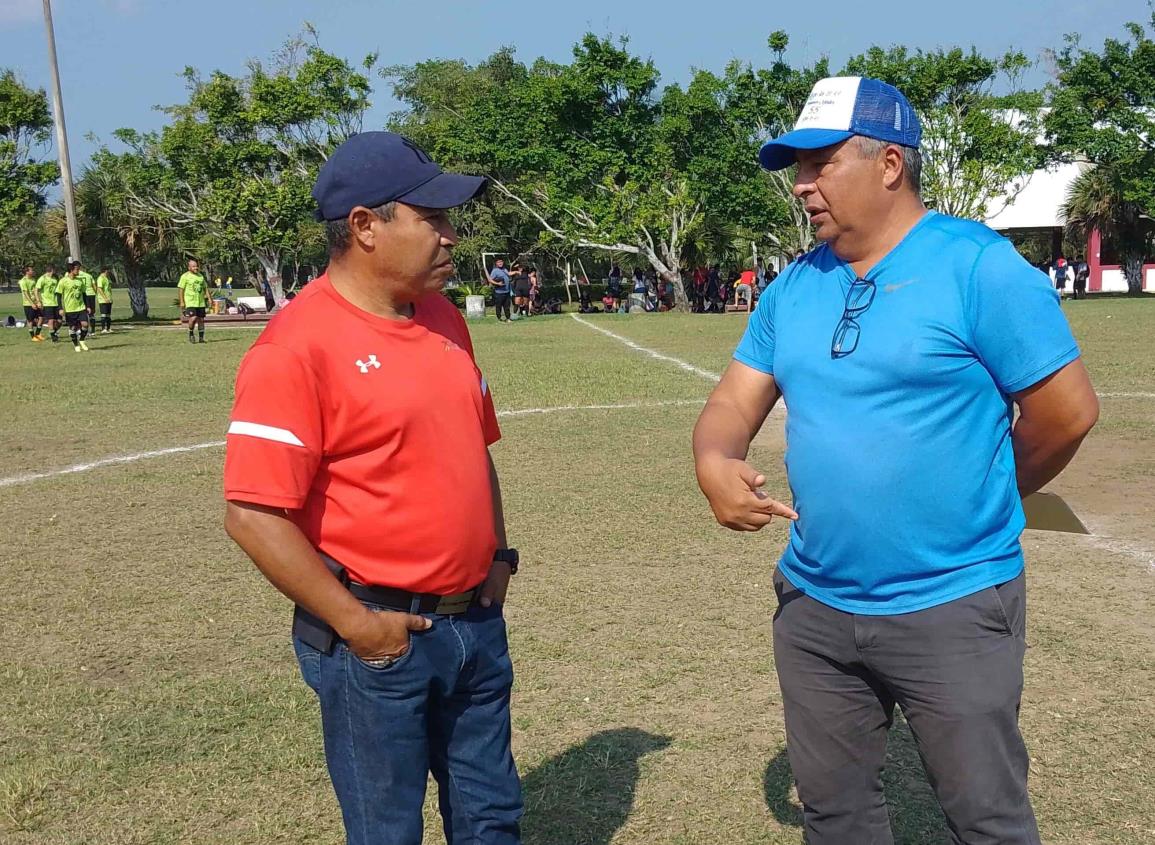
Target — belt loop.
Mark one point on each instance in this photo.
(415, 604)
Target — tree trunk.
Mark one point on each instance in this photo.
(1133, 273)
(271, 263)
(669, 270)
(137, 293)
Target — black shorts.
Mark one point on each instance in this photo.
(521, 292)
(106, 309)
(90, 303)
(31, 312)
(50, 312)
(613, 291)
(75, 318)
(194, 312)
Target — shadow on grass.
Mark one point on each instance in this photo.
(584, 795)
(915, 816)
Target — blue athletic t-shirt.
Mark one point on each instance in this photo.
(500, 279)
(899, 454)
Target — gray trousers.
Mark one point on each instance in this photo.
(956, 671)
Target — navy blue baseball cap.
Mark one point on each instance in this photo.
(840, 107)
(374, 168)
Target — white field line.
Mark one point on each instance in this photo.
(637, 347)
(104, 462)
(194, 447)
(525, 412)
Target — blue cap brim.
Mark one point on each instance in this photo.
(446, 190)
(779, 153)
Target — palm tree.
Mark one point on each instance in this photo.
(109, 233)
(1095, 201)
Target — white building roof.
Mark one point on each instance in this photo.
(1039, 204)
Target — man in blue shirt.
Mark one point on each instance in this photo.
(499, 278)
(901, 346)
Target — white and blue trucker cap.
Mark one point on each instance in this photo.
(842, 106)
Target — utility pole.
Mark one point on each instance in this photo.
(62, 139)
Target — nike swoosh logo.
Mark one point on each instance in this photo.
(893, 288)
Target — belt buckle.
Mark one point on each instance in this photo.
(451, 605)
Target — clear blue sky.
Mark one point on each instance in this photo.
(120, 58)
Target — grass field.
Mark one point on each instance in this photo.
(148, 692)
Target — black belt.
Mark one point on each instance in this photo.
(316, 633)
(407, 602)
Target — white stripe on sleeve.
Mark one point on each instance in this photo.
(264, 432)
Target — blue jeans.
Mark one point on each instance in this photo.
(442, 707)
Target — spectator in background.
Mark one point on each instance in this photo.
(700, 279)
(1082, 271)
(713, 287)
(614, 288)
(499, 279)
(534, 293)
(1061, 270)
(520, 283)
(585, 306)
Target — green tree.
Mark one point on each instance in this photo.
(436, 94)
(25, 129)
(113, 231)
(977, 145)
(1103, 111)
(237, 163)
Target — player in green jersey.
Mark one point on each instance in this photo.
(31, 302)
(71, 292)
(104, 299)
(49, 302)
(194, 293)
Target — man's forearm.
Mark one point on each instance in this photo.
(291, 564)
(498, 507)
(1040, 455)
(722, 432)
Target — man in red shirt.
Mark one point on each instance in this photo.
(358, 479)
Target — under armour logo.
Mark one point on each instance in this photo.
(372, 362)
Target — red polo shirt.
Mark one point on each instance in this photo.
(373, 434)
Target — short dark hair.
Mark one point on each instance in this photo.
(911, 159)
(339, 236)
(72, 265)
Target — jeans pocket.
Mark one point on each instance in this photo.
(309, 661)
(379, 668)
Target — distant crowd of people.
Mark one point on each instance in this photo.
(1061, 271)
(517, 291)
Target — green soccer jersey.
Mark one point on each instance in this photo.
(103, 288)
(27, 288)
(71, 293)
(195, 290)
(46, 285)
(89, 283)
